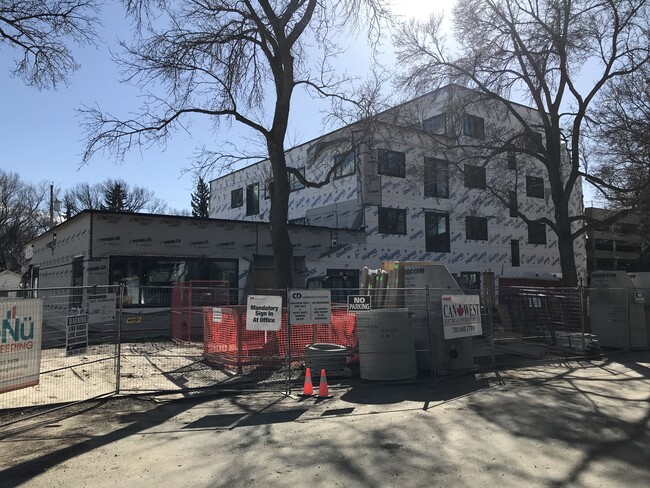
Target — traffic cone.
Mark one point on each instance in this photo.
(308, 389)
(323, 390)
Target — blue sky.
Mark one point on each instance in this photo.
(42, 137)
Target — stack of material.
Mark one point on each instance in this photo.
(386, 285)
(374, 282)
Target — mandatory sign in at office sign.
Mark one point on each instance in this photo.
(310, 307)
(263, 312)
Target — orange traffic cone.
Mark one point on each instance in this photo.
(308, 389)
(323, 390)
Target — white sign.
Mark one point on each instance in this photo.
(76, 337)
(310, 307)
(357, 303)
(461, 316)
(639, 297)
(217, 316)
(20, 343)
(263, 312)
(101, 308)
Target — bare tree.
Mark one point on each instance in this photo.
(23, 215)
(40, 30)
(621, 133)
(232, 61)
(82, 196)
(112, 194)
(535, 51)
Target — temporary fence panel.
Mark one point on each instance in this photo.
(187, 302)
(79, 346)
(537, 322)
(166, 340)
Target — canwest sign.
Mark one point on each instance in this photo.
(20, 343)
(461, 316)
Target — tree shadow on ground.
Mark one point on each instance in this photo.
(426, 392)
(49, 450)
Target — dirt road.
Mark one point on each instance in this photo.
(575, 424)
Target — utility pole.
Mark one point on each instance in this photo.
(51, 206)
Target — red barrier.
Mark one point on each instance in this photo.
(227, 341)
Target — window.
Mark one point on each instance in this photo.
(253, 199)
(77, 281)
(392, 220)
(476, 228)
(436, 124)
(514, 253)
(512, 203)
(536, 233)
(391, 163)
(237, 198)
(294, 182)
(436, 178)
(345, 164)
(148, 280)
(436, 228)
(470, 280)
(474, 176)
(533, 141)
(534, 187)
(473, 126)
(512, 160)
(268, 189)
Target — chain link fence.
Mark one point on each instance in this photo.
(195, 336)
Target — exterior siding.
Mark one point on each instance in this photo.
(352, 195)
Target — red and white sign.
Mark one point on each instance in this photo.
(461, 316)
(20, 343)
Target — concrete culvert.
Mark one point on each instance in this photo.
(330, 357)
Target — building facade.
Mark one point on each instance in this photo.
(619, 246)
(423, 182)
(148, 253)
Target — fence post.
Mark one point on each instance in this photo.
(582, 319)
(288, 353)
(490, 305)
(431, 353)
(629, 322)
(118, 366)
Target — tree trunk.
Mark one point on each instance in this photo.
(282, 248)
(565, 247)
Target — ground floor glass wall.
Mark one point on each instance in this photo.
(148, 279)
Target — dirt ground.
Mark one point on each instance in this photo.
(583, 424)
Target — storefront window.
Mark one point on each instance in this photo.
(148, 281)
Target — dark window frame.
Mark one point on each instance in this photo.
(433, 169)
(340, 163)
(515, 256)
(535, 186)
(533, 141)
(476, 228)
(475, 177)
(237, 198)
(535, 233)
(436, 242)
(294, 183)
(513, 204)
(268, 189)
(252, 199)
(512, 159)
(474, 126)
(388, 221)
(387, 167)
(436, 124)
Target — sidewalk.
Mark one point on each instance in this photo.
(575, 424)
